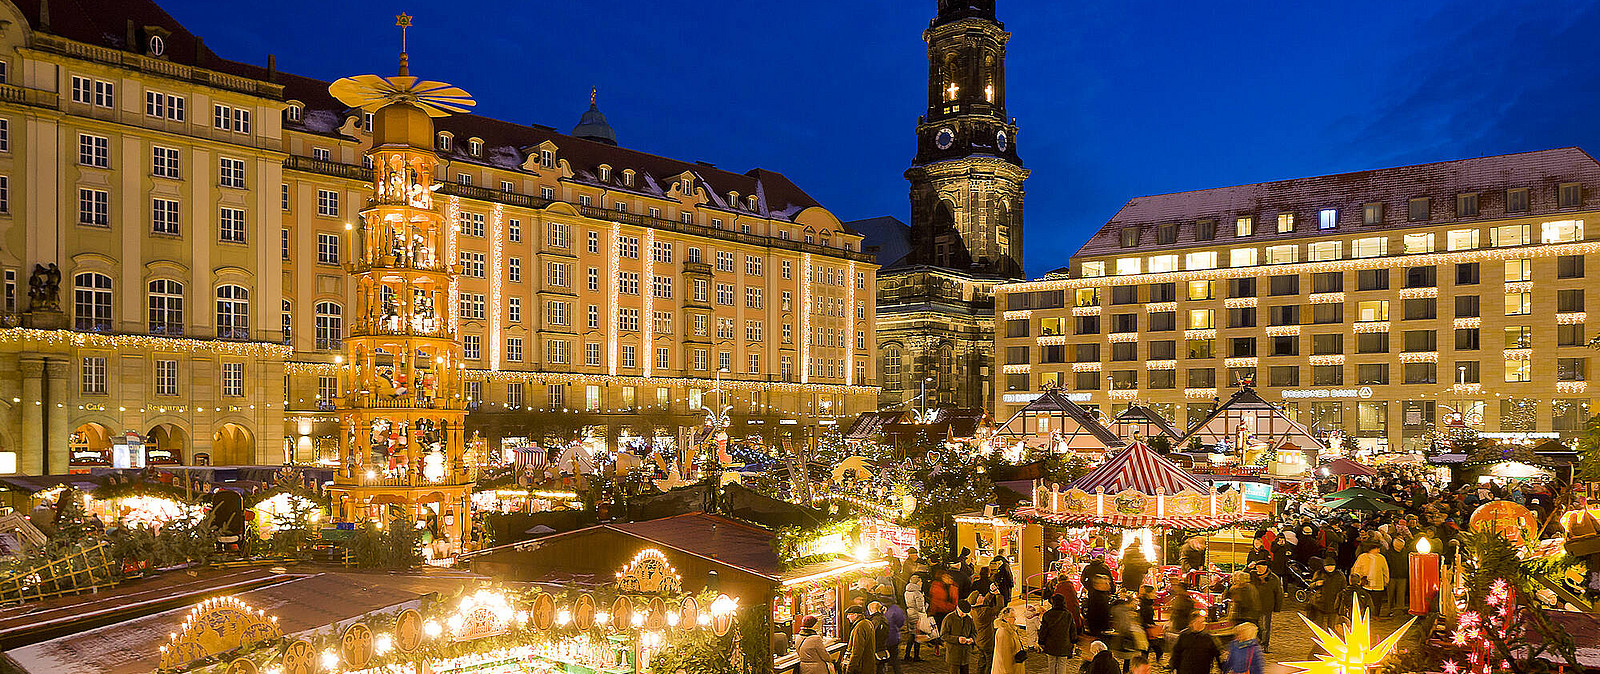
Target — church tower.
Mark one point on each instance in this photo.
(966, 179)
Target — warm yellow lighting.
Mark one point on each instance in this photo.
(1354, 653)
(1423, 546)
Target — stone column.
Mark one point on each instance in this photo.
(56, 414)
(32, 441)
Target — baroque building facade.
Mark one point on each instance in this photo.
(936, 291)
(1381, 305)
(193, 220)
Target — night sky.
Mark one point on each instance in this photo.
(1114, 99)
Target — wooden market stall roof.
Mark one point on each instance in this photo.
(1079, 429)
(1269, 422)
(870, 424)
(302, 604)
(1146, 421)
(1141, 469)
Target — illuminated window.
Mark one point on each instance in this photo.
(1461, 239)
(1322, 251)
(1518, 270)
(1093, 269)
(1372, 214)
(1328, 218)
(1201, 260)
(1375, 246)
(1285, 223)
(1127, 265)
(1200, 290)
(1202, 319)
(1244, 226)
(1419, 243)
(1283, 254)
(1242, 257)
(1163, 263)
(1517, 200)
(1510, 235)
(1519, 304)
(1519, 370)
(1372, 310)
(1561, 231)
(1467, 205)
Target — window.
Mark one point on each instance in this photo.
(1569, 266)
(471, 305)
(514, 230)
(1519, 270)
(1561, 231)
(752, 331)
(230, 225)
(1510, 235)
(1323, 251)
(556, 275)
(1519, 304)
(166, 377)
(628, 247)
(157, 104)
(221, 117)
(627, 282)
(92, 375)
(1201, 260)
(472, 347)
(94, 207)
(1242, 257)
(233, 379)
(1284, 284)
(661, 252)
(164, 162)
(472, 264)
(1372, 310)
(1467, 205)
(330, 325)
(1572, 369)
(328, 203)
(1461, 239)
(1327, 313)
(514, 349)
(593, 317)
(724, 261)
(1569, 195)
(1419, 340)
(1285, 222)
(1467, 306)
(514, 269)
(230, 172)
(593, 279)
(233, 312)
(294, 113)
(628, 319)
(1372, 418)
(1166, 234)
(1569, 414)
(1200, 290)
(92, 302)
(288, 322)
(547, 158)
(1201, 348)
(1571, 334)
(1284, 315)
(166, 307)
(725, 294)
(82, 90)
(164, 216)
(1372, 374)
(752, 265)
(1127, 265)
(443, 141)
(1202, 319)
(1422, 277)
(1161, 321)
(1467, 274)
(327, 248)
(591, 354)
(627, 356)
(1163, 292)
(1372, 279)
(662, 322)
(1327, 282)
(661, 286)
(94, 151)
(1519, 337)
(514, 309)
(1372, 342)
(1205, 230)
(1417, 210)
(1202, 377)
(1517, 200)
(1327, 345)
(1518, 370)
(1162, 263)
(1242, 317)
(470, 224)
(1374, 246)
(1283, 254)
(5, 135)
(514, 394)
(241, 120)
(1327, 375)
(321, 154)
(1467, 339)
(1130, 237)
(1245, 226)
(1328, 218)
(558, 312)
(1418, 243)
(1125, 294)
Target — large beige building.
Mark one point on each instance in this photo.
(1373, 303)
(199, 215)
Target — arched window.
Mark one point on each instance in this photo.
(444, 141)
(891, 367)
(166, 307)
(605, 173)
(475, 147)
(330, 325)
(288, 322)
(293, 112)
(947, 367)
(233, 312)
(92, 302)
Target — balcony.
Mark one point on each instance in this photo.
(327, 168)
(12, 93)
(374, 477)
(398, 328)
(398, 262)
(652, 222)
(486, 194)
(697, 268)
(384, 402)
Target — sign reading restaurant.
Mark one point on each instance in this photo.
(1363, 392)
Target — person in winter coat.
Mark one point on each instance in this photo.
(1195, 651)
(1259, 551)
(1245, 654)
(1000, 573)
(1007, 644)
(1305, 547)
(1396, 556)
(1097, 567)
(1147, 621)
(1282, 551)
(1100, 660)
(1269, 598)
(812, 648)
(880, 636)
(943, 595)
(1134, 568)
(896, 619)
(1097, 607)
(984, 583)
(1371, 573)
(965, 570)
(1242, 603)
(862, 658)
(958, 632)
(1057, 635)
(1328, 588)
(984, 609)
(916, 610)
(1194, 554)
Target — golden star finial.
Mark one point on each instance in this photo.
(403, 20)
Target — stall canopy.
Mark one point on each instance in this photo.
(1146, 423)
(1246, 419)
(870, 424)
(1343, 466)
(1063, 425)
(1141, 469)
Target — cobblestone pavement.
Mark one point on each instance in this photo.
(1291, 641)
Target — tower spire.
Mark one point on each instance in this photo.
(403, 20)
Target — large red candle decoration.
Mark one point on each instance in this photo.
(1424, 577)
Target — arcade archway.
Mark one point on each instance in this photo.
(233, 445)
(166, 444)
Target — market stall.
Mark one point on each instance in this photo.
(1059, 425)
(1246, 425)
(1139, 423)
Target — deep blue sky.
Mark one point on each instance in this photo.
(1114, 99)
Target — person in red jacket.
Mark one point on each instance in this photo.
(943, 595)
(1069, 592)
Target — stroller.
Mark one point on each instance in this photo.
(1297, 582)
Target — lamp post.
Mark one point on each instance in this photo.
(926, 417)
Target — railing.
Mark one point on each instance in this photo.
(653, 222)
(486, 194)
(700, 268)
(391, 262)
(327, 167)
(441, 329)
(377, 478)
(374, 402)
(12, 93)
(60, 45)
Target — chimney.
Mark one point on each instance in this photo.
(133, 41)
(272, 67)
(199, 51)
(44, 14)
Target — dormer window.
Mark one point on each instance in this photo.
(293, 112)
(688, 186)
(752, 201)
(475, 147)
(733, 199)
(605, 173)
(366, 122)
(444, 141)
(158, 46)
(547, 158)
(627, 178)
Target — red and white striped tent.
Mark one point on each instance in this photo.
(1141, 469)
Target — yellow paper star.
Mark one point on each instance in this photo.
(1354, 653)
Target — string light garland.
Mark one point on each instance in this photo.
(1518, 287)
(1200, 393)
(1086, 311)
(95, 340)
(1283, 331)
(1325, 298)
(1572, 318)
(1419, 357)
(1370, 326)
(1418, 293)
(1161, 365)
(1017, 368)
(1571, 386)
(1120, 337)
(693, 382)
(1158, 307)
(1467, 323)
(1239, 303)
(1052, 340)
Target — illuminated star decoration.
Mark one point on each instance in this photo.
(1353, 654)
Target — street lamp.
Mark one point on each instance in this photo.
(927, 417)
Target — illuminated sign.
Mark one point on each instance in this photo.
(1363, 392)
(1023, 398)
